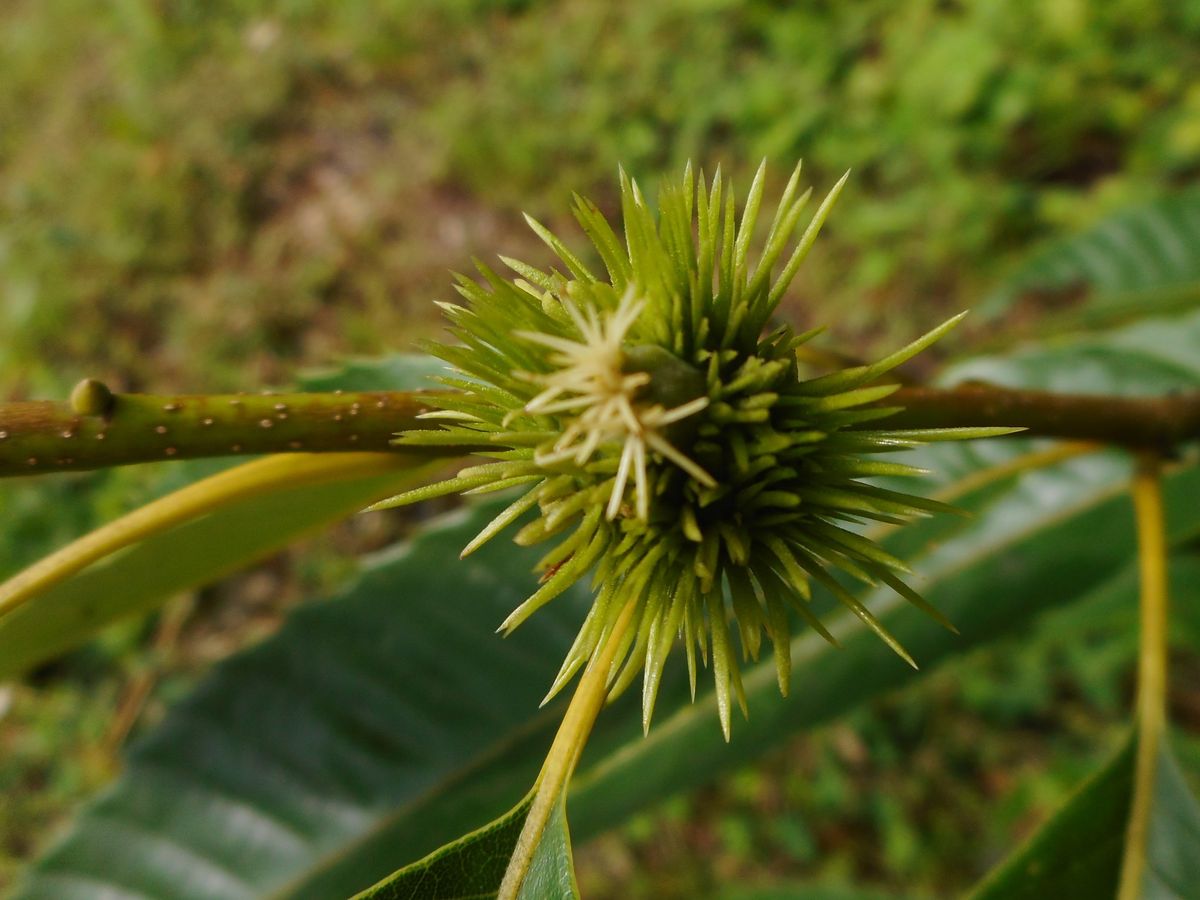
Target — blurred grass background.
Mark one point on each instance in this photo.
(213, 194)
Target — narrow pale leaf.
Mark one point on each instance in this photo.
(190, 537)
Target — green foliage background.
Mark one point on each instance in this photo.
(279, 182)
(210, 195)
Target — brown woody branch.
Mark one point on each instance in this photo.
(1151, 423)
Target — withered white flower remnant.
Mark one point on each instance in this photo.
(671, 441)
(604, 401)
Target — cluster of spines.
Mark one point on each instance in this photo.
(787, 455)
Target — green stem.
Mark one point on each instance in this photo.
(98, 429)
(564, 753)
(1152, 669)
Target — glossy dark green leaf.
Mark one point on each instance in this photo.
(1147, 358)
(397, 372)
(377, 727)
(368, 733)
(1173, 842)
(474, 865)
(1078, 853)
(1136, 262)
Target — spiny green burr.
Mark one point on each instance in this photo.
(664, 430)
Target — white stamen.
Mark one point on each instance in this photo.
(641, 482)
(603, 396)
(618, 491)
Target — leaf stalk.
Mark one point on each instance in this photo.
(564, 752)
(1152, 669)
